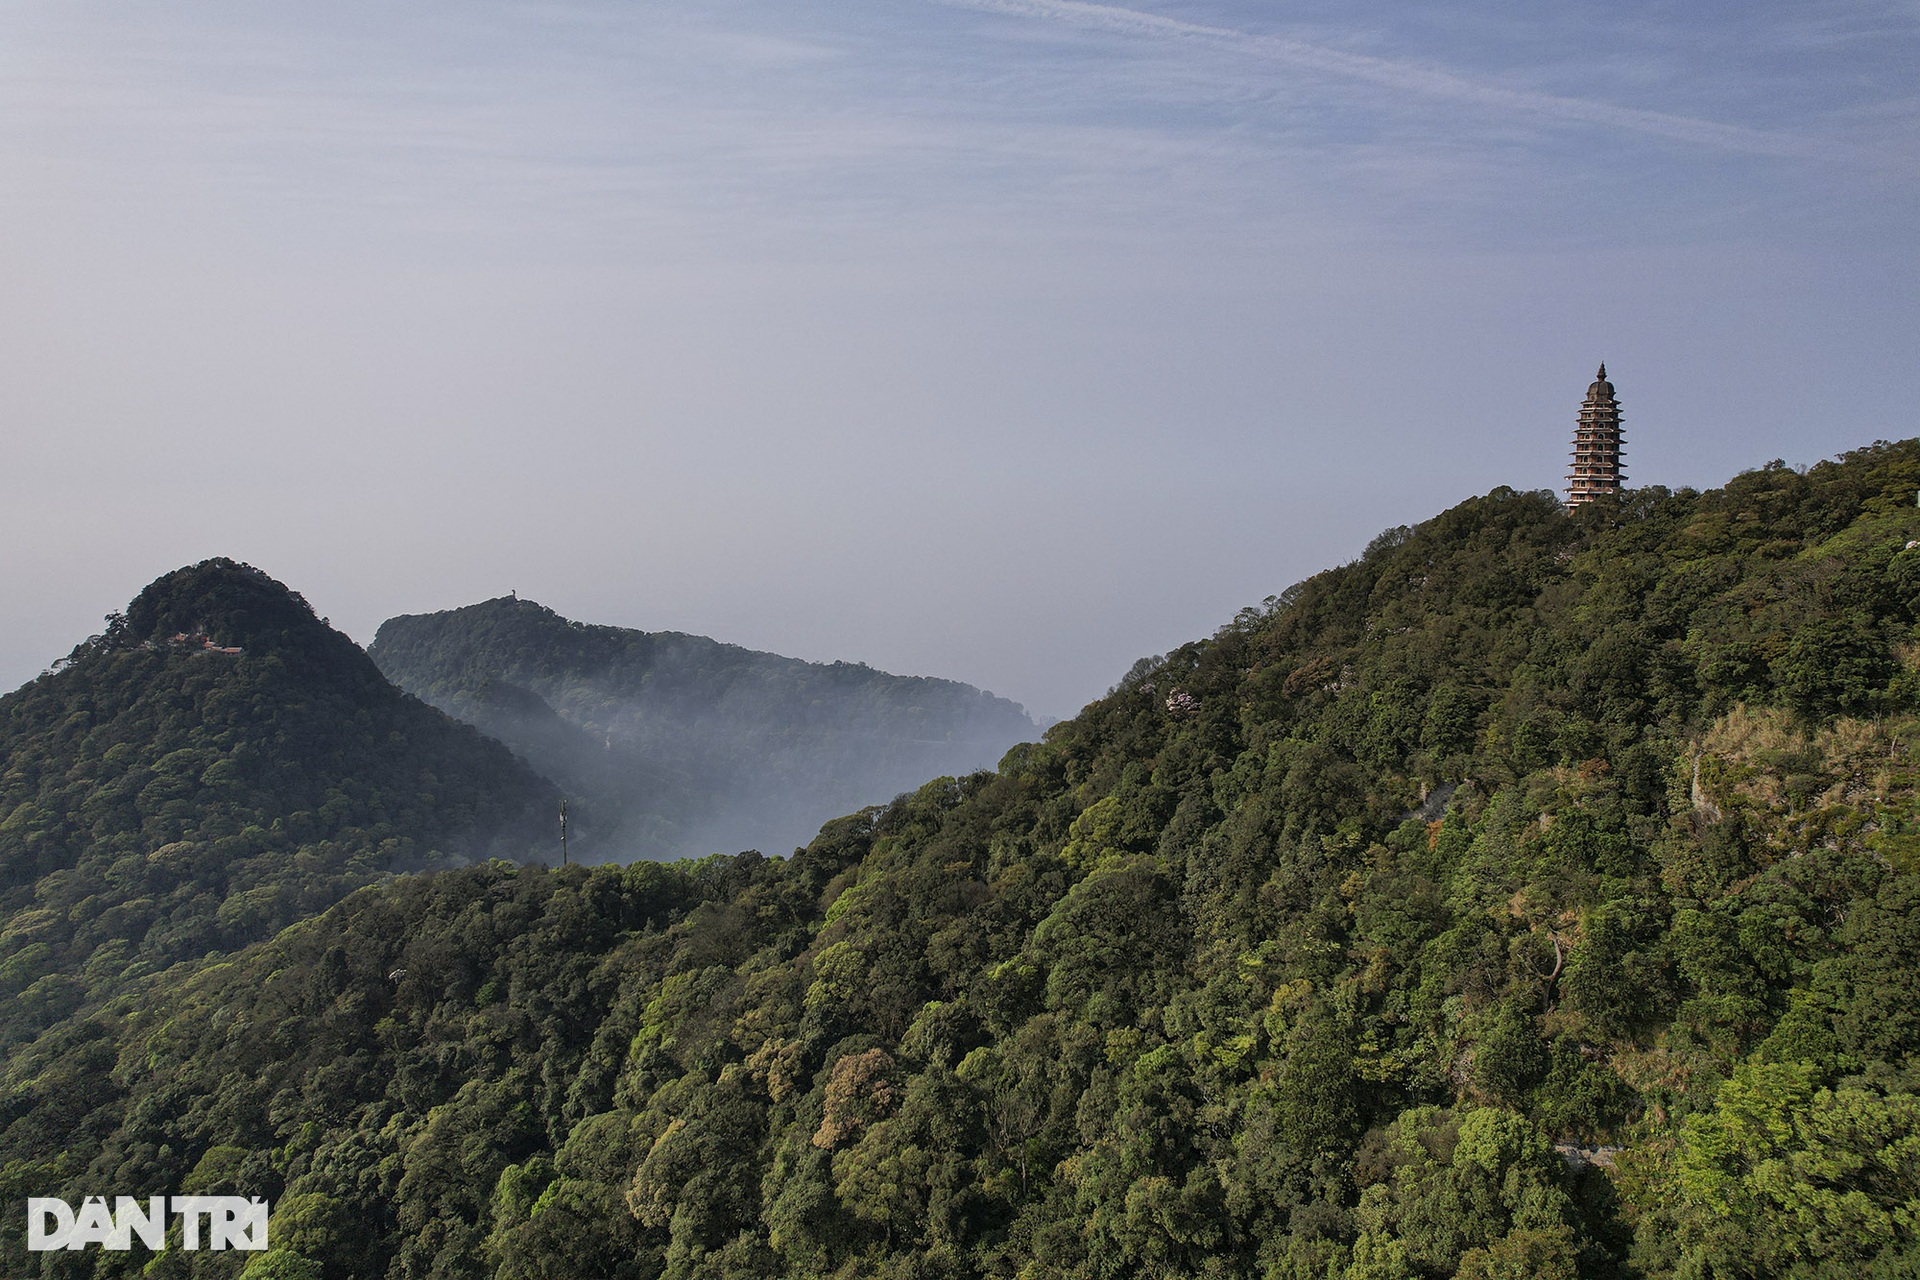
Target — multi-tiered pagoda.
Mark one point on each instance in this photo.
(1596, 445)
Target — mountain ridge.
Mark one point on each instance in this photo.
(681, 744)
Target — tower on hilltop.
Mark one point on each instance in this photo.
(1596, 445)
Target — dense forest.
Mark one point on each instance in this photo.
(215, 765)
(1533, 897)
(672, 745)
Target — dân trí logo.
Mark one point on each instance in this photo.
(206, 1222)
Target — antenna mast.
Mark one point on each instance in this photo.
(563, 833)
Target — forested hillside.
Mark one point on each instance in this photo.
(214, 766)
(1533, 897)
(673, 745)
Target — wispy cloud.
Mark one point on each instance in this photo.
(1415, 78)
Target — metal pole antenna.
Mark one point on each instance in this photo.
(563, 833)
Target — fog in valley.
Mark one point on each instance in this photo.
(671, 745)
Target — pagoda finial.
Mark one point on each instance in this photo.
(1603, 371)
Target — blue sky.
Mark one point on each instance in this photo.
(1007, 340)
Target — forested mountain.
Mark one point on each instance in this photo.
(674, 745)
(214, 766)
(1533, 897)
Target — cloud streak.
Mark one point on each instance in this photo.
(1433, 82)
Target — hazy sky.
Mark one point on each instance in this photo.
(1006, 340)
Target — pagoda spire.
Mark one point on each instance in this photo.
(1596, 445)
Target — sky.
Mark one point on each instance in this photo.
(1002, 340)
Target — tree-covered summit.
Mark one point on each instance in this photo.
(215, 765)
(234, 605)
(671, 744)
